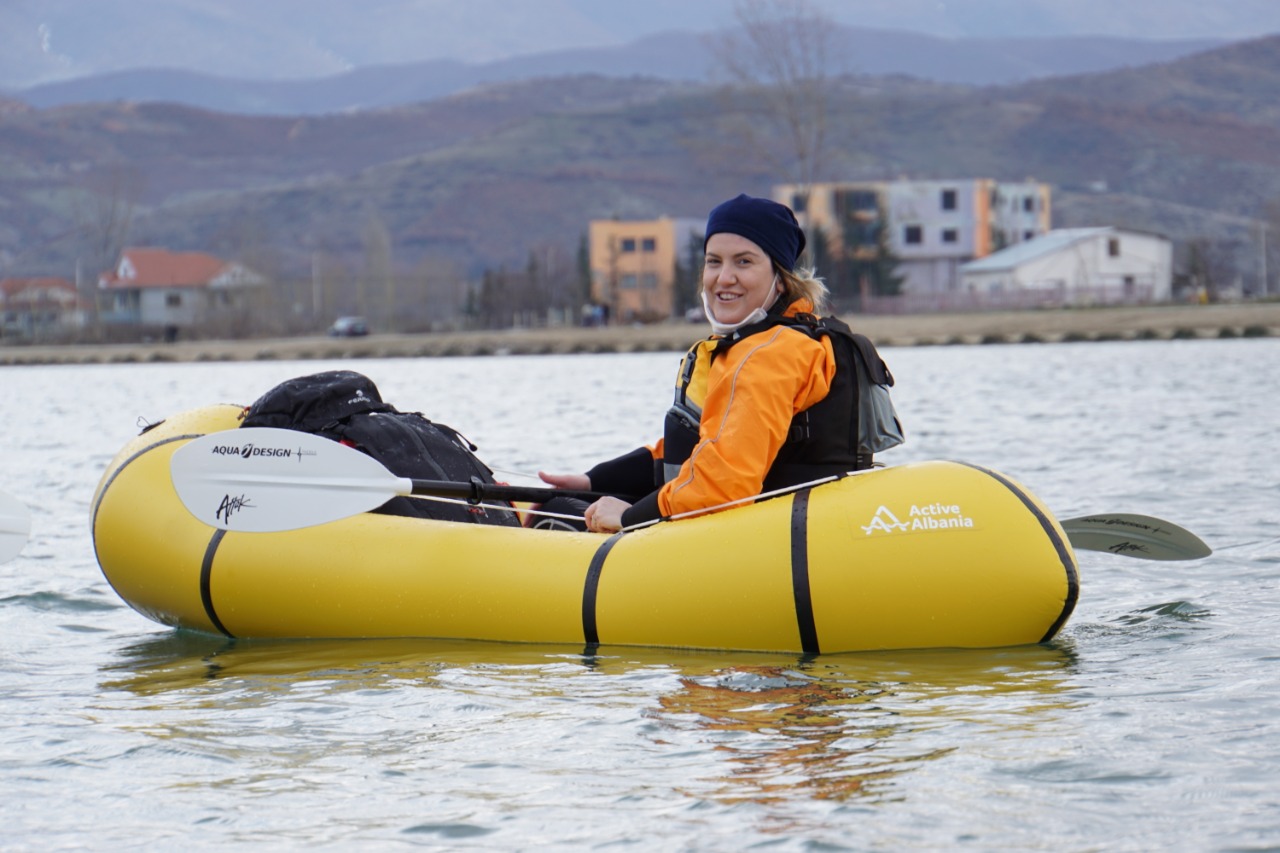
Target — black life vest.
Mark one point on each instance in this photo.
(841, 432)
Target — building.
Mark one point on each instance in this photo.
(1076, 266)
(173, 290)
(39, 307)
(633, 266)
(931, 227)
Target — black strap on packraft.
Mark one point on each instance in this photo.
(346, 406)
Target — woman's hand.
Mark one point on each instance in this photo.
(605, 515)
(574, 482)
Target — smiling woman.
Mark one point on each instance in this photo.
(770, 400)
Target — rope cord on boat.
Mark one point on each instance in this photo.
(640, 526)
(727, 504)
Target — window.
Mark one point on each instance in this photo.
(649, 281)
(951, 235)
(863, 233)
(649, 244)
(856, 201)
(1113, 247)
(913, 235)
(1029, 204)
(628, 244)
(1028, 235)
(173, 300)
(627, 282)
(799, 203)
(948, 199)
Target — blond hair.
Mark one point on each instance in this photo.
(804, 282)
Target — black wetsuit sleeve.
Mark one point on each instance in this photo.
(645, 509)
(630, 474)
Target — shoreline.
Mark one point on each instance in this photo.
(1043, 326)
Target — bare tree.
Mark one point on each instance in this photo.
(103, 212)
(378, 275)
(781, 53)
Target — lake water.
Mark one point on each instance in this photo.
(1151, 723)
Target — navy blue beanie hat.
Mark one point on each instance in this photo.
(769, 225)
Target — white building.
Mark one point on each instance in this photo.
(932, 227)
(1077, 266)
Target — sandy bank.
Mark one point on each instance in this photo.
(1142, 323)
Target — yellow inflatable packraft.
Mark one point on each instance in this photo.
(923, 555)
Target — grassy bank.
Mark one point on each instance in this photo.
(1100, 324)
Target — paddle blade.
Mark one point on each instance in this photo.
(262, 480)
(15, 526)
(1130, 535)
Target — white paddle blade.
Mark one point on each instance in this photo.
(1131, 535)
(262, 480)
(15, 526)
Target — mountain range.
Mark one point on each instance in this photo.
(43, 41)
(481, 178)
(672, 56)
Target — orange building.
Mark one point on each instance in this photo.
(633, 265)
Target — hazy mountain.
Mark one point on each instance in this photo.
(46, 40)
(669, 56)
(479, 179)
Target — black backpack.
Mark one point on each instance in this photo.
(346, 406)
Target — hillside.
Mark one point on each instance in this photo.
(477, 180)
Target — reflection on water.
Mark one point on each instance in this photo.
(831, 728)
(828, 727)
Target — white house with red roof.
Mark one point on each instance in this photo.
(30, 307)
(157, 287)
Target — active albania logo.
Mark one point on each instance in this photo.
(919, 517)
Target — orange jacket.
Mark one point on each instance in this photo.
(751, 394)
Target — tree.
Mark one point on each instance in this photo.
(687, 277)
(378, 274)
(868, 265)
(582, 293)
(781, 54)
(104, 215)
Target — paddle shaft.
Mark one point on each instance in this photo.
(260, 480)
(476, 491)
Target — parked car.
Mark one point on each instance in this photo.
(348, 327)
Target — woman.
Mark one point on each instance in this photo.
(742, 420)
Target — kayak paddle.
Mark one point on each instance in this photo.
(260, 480)
(1132, 535)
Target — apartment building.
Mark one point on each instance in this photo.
(633, 265)
(932, 227)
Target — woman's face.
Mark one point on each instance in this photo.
(737, 277)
